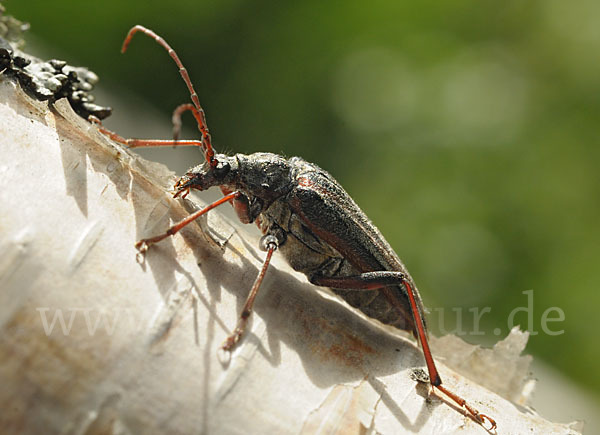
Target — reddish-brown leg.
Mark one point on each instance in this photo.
(437, 381)
(480, 418)
(144, 244)
(381, 280)
(137, 143)
(240, 328)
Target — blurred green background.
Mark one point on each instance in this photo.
(467, 131)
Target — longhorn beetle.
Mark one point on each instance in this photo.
(307, 215)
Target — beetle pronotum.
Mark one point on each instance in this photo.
(305, 214)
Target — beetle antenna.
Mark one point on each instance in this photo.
(196, 109)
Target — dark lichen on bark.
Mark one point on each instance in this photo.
(47, 80)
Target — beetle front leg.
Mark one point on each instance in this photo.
(381, 280)
(267, 243)
(141, 143)
(144, 244)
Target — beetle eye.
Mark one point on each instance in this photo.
(222, 169)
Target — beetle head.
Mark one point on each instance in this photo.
(220, 172)
(259, 175)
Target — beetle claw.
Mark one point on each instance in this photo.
(142, 246)
(482, 418)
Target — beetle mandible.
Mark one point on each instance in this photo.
(306, 215)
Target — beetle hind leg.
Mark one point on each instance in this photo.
(382, 280)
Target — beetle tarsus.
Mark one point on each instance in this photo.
(476, 415)
(490, 420)
(142, 246)
(233, 339)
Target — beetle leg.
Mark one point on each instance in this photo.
(381, 280)
(139, 143)
(268, 243)
(144, 244)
